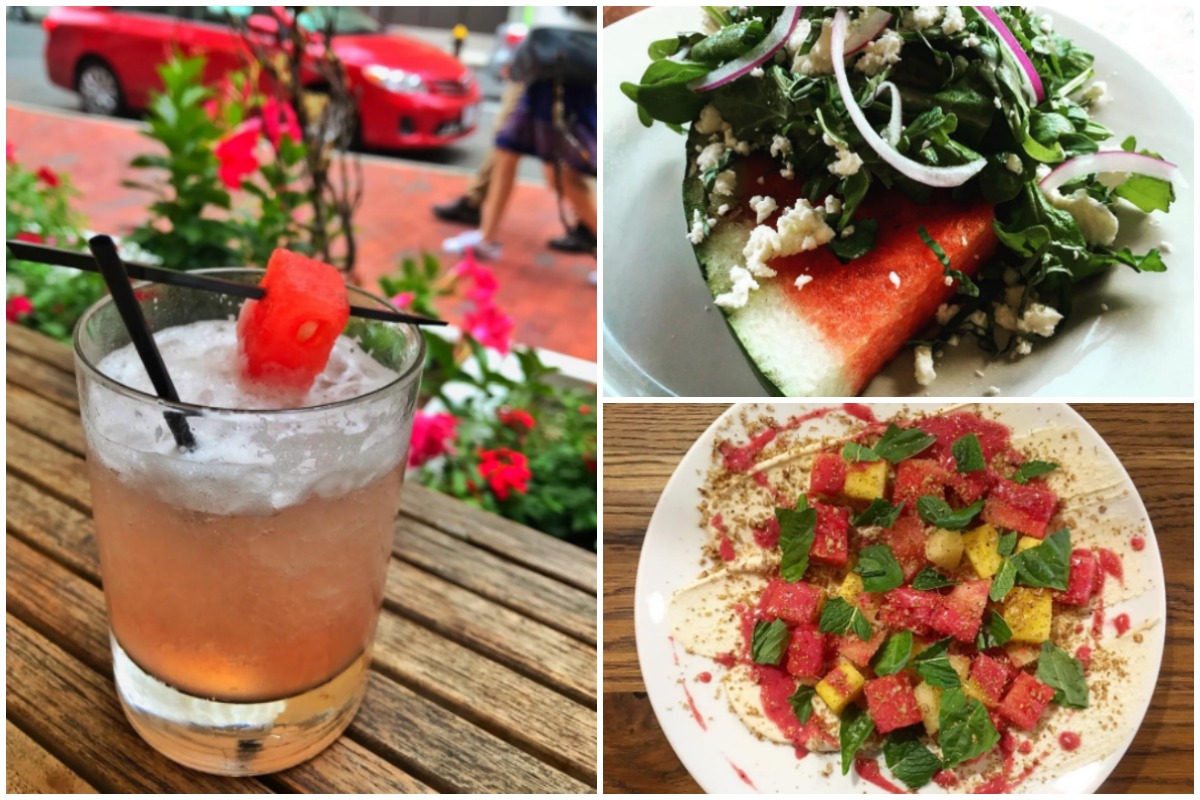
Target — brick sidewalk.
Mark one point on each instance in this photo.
(546, 292)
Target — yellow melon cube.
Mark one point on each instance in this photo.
(840, 686)
(973, 689)
(944, 548)
(980, 546)
(1021, 654)
(1026, 542)
(851, 588)
(929, 700)
(1028, 613)
(866, 480)
(961, 665)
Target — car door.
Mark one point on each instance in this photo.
(135, 41)
(216, 32)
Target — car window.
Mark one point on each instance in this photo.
(158, 11)
(346, 20)
(221, 15)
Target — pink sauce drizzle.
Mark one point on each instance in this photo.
(1084, 654)
(692, 705)
(945, 779)
(725, 548)
(1069, 741)
(718, 522)
(859, 411)
(741, 459)
(674, 652)
(704, 677)
(1098, 618)
(767, 535)
(1138, 543)
(741, 773)
(1025, 749)
(868, 770)
(1121, 623)
(1110, 562)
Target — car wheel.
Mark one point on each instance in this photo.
(98, 89)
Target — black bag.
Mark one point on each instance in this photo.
(560, 54)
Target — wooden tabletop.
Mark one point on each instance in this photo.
(484, 678)
(643, 443)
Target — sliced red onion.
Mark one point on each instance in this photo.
(1108, 161)
(1033, 82)
(894, 124)
(756, 56)
(922, 173)
(866, 28)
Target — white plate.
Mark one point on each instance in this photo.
(669, 561)
(662, 335)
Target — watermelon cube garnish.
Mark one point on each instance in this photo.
(907, 540)
(284, 339)
(858, 652)
(797, 603)
(892, 703)
(991, 675)
(1025, 509)
(970, 486)
(806, 653)
(1025, 701)
(828, 475)
(907, 609)
(916, 477)
(1082, 583)
(831, 538)
(959, 613)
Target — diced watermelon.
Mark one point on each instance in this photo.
(831, 539)
(1082, 581)
(959, 613)
(991, 675)
(828, 475)
(907, 609)
(916, 477)
(806, 653)
(892, 703)
(797, 603)
(858, 652)
(907, 540)
(949, 428)
(970, 486)
(1025, 509)
(1025, 701)
(284, 340)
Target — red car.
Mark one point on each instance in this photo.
(410, 94)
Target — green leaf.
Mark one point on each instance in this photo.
(965, 730)
(855, 452)
(933, 665)
(994, 632)
(1032, 469)
(879, 569)
(894, 654)
(860, 241)
(1064, 674)
(1148, 194)
(801, 702)
(797, 529)
(966, 286)
(899, 443)
(880, 512)
(968, 455)
(1003, 581)
(909, 760)
(1048, 565)
(857, 726)
(768, 642)
(838, 617)
(929, 579)
(1007, 543)
(937, 512)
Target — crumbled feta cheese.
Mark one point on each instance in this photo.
(922, 17)
(819, 59)
(923, 367)
(762, 179)
(971, 41)
(763, 207)
(710, 156)
(1006, 317)
(1012, 162)
(734, 144)
(723, 210)
(894, 278)
(780, 146)
(1096, 222)
(1041, 172)
(847, 231)
(954, 21)
(1164, 248)
(978, 319)
(803, 280)
(1040, 319)
(739, 293)
(1024, 348)
(726, 182)
(991, 391)
(1095, 95)
(945, 313)
(788, 172)
(757, 72)
(880, 54)
(710, 121)
(952, 341)
(699, 227)
(948, 280)
(799, 36)
(996, 102)
(833, 205)
(800, 228)
(1011, 276)
(847, 163)
(978, 373)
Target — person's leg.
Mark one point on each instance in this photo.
(467, 208)
(504, 175)
(579, 195)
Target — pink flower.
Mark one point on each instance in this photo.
(236, 153)
(211, 108)
(505, 470)
(483, 280)
(18, 307)
(29, 236)
(10, 152)
(491, 327)
(516, 418)
(403, 299)
(280, 120)
(47, 176)
(432, 436)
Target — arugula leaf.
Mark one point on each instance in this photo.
(1007, 543)
(1148, 194)
(768, 642)
(879, 569)
(839, 616)
(880, 512)
(966, 286)
(1003, 581)
(994, 632)
(729, 42)
(1032, 469)
(929, 579)
(860, 241)
(857, 727)
(1047, 565)
(909, 760)
(894, 654)
(801, 702)
(854, 452)
(968, 455)
(797, 529)
(965, 730)
(898, 443)
(937, 512)
(933, 665)
(1065, 674)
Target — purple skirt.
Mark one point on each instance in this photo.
(530, 129)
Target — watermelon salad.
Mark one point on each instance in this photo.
(862, 178)
(925, 594)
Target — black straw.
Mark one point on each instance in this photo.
(113, 270)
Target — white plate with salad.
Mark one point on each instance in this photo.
(1015, 650)
(836, 281)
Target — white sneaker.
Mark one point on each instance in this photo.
(459, 244)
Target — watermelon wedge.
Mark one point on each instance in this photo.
(284, 340)
(833, 334)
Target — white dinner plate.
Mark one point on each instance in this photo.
(671, 553)
(663, 336)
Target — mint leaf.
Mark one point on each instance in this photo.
(797, 528)
(965, 730)
(1032, 469)
(933, 665)
(1003, 581)
(1008, 543)
(994, 632)
(853, 452)
(929, 579)
(768, 642)
(937, 512)
(1048, 565)
(879, 569)
(880, 512)
(801, 702)
(899, 443)
(1064, 674)
(839, 616)
(857, 727)
(968, 455)
(909, 760)
(894, 654)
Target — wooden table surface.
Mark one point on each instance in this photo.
(484, 678)
(643, 443)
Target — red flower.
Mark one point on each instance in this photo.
(491, 327)
(279, 119)
(10, 152)
(29, 236)
(483, 280)
(432, 436)
(236, 153)
(589, 462)
(515, 418)
(47, 176)
(585, 410)
(403, 299)
(505, 470)
(17, 307)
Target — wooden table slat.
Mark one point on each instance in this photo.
(33, 344)
(43, 379)
(52, 422)
(51, 525)
(31, 770)
(54, 470)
